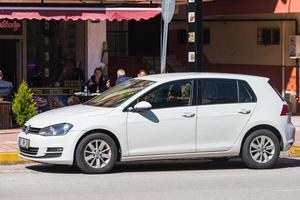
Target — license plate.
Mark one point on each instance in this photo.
(24, 143)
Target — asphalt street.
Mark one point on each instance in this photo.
(189, 179)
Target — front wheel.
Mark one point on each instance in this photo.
(260, 150)
(96, 153)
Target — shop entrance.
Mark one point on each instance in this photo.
(9, 60)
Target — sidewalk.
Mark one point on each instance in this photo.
(9, 147)
(296, 122)
(8, 140)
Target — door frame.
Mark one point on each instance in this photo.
(20, 53)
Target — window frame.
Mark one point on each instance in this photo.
(270, 40)
(193, 102)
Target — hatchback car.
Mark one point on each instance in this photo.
(168, 116)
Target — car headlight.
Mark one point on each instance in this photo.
(57, 129)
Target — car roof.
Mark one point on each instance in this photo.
(194, 75)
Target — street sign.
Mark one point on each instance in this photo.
(168, 9)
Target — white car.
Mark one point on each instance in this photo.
(169, 116)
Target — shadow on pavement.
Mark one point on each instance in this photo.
(166, 165)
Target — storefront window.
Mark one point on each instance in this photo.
(55, 53)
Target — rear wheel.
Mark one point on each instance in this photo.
(96, 153)
(261, 150)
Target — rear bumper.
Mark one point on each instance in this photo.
(290, 131)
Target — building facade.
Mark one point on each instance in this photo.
(45, 46)
(56, 45)
(247, 37)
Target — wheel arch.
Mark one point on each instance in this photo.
(104, 131)
(267, 127)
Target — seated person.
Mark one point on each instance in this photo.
(6, 88)
(98, 82)
(180, 95)
(142, 73)
(121, 76)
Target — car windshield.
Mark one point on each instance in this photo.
(119, 94)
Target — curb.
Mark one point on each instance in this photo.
(295, 151)
(9, 158)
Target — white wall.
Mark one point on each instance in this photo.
(96, 35)
(236, 43)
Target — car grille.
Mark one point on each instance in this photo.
(30, 151)
(32, 130)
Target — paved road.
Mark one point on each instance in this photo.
(191, 179)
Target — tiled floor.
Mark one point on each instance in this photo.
(8, 140)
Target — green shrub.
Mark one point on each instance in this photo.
(23, 104)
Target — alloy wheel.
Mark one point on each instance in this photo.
(262, 149)
(97, 153)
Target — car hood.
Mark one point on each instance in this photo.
(66, 114)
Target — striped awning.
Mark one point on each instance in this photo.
(79, 13)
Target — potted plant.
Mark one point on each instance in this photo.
(23, 105)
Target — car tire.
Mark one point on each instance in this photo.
(92, 161)
(261, 150)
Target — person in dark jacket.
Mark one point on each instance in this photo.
(121, 76)
(98, 82)
(6, 88)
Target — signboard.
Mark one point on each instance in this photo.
(51, 98)
(294, 46)
(168, 9)
(11, 27)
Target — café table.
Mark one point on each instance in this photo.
(83, 97)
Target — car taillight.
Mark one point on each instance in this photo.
(285, 110)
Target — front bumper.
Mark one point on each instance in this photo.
(50, 149)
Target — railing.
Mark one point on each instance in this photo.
(169, 68)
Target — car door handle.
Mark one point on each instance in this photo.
(244, 111)
(188, 115)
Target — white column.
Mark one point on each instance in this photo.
(96, 35)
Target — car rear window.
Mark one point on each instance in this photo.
(246, 94)
(222, 91)
(218, 91)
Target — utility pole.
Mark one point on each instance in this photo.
(195, 37)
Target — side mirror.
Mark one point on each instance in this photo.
(142, 106)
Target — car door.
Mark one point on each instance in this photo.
(225, 107)
(169, 127)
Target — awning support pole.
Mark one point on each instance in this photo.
(297, 80)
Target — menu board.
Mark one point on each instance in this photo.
(51, 98)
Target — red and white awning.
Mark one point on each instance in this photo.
(78, 13)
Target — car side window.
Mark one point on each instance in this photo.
(173, 94)
(217, 91)
(246, 94)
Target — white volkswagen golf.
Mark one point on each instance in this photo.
(170, 116)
